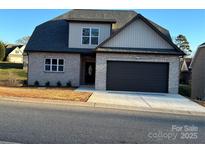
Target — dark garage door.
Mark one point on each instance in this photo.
(137, 76)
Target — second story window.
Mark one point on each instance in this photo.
(90, 36)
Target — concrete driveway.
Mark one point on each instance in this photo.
(173, 103)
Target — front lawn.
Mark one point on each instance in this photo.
(45, 93)
(12, 74)
(18, 74)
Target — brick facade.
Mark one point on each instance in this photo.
(101, 66)
(71, 69)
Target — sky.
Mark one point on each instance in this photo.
(18, 23)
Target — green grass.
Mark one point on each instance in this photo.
(18, 74)
(12, 74)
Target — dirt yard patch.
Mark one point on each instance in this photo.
(45, 93)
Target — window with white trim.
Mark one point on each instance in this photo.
(90, 36)
(54, 65)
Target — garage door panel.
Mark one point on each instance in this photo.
(137, 76)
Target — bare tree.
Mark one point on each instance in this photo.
(23, 40)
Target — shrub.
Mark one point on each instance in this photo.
(36, 83)
(2, 51)
(185, 90)
(59, 84)
(25, 82)
(8, 65)
(47, 84)
(68, 84)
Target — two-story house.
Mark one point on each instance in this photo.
(111, 49)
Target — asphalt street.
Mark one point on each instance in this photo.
(22, 122)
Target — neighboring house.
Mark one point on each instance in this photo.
(185, 74)
(14, 53)
(198, 73)
(111, 49)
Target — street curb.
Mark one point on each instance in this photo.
(134, 108)
(99, 105)
(47, 101)
(5, 142)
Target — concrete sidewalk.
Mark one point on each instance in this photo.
(148, 102)
(153, 102)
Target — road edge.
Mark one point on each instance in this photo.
(99, 105)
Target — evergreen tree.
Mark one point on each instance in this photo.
(182, 42)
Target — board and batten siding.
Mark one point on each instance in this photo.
(138, 35)
(75, 34)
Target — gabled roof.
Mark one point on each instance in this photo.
(53, 35)
(196, 54)
(185, 64)
(121, 17)
(154, 26)
(10, 48)
(202, 45)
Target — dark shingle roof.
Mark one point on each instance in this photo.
(161, 29)
(203, 44)
(10, 48)
(199, 49)
(120, 16)
(53, 35)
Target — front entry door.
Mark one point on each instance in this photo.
(89, 72)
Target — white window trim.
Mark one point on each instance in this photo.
(90, 35)
(54, 64)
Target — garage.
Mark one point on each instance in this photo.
(137, 76)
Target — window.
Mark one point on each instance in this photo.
(54, 65)
(90, 36)
(86, 36)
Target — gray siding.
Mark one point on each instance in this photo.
(71, 69)
(75, 31)
(198, 75)
(138, 35)
(101, 67)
